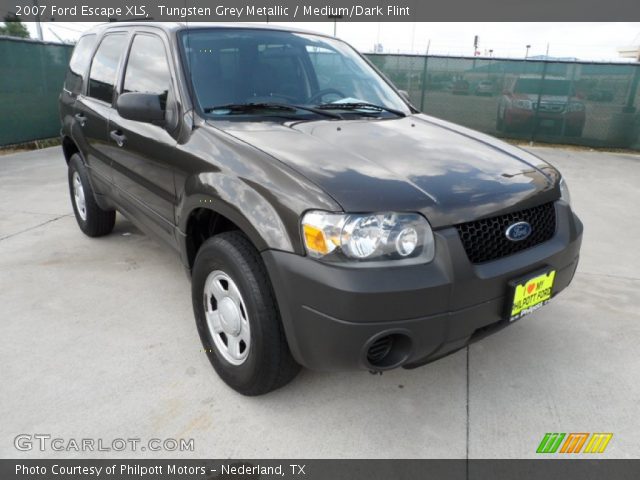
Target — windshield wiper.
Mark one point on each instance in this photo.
(359, 106)
(247, 107)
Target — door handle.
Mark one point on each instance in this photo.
(118, 136)
(82, 120)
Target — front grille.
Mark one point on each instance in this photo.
(485, 239)
(552, 107)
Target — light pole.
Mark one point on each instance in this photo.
(526, 55)
(335, 19)
(413, 36)
(38, 26)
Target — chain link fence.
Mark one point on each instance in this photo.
(582, 103)
(591, 104)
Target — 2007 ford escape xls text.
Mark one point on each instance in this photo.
(323, 220)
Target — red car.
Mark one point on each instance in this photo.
(560, 111)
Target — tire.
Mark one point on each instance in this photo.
(92, 220)
(229, 260)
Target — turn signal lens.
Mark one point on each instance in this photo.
(314, 240)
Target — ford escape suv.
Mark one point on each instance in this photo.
(323, 221)
(548, 105)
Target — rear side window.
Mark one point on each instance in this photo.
(147, 69)
(105, 66)
(79, 63)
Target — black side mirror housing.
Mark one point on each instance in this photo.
(141, 107)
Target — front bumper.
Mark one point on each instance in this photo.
(332, 314)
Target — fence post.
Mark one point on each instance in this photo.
(633, 90)
(574, 66)
(534, 130)
(423, 82)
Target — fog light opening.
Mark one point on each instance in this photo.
(388, 351)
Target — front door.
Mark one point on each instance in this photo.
(142, 171)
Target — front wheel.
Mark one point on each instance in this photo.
(237, 316)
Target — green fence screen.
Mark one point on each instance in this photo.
(591, 104)
(31, 76)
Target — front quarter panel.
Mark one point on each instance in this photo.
(258, 193)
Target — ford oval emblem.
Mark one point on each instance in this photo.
(518, 231)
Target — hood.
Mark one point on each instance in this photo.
(543, 98)
(449, 173)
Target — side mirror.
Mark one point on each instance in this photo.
(141, 107)
(405, 95)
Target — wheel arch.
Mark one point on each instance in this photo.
(207, 217)
(69, 148)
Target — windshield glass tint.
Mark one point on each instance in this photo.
(549, 87)
(238, 66)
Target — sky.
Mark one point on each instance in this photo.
(585, 41)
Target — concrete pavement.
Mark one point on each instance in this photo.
(99, 341)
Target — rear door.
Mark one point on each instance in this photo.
(142, 152)
(93, 108)
(74, 85)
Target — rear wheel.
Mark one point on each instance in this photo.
(92, 220)
(237, 316)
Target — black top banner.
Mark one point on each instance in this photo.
(321, 10)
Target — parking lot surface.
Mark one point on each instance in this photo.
(99, 342)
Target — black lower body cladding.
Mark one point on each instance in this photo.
(340, 318)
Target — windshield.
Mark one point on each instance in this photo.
(549, 87)
(234, 66)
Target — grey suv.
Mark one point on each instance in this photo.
(323, 221)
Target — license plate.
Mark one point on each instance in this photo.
(547, 123)
(530, 294)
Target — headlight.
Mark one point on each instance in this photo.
(576, 107)
(368, 238)
(564, 191)
(524, 104)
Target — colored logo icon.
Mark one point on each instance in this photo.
(574, 443)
